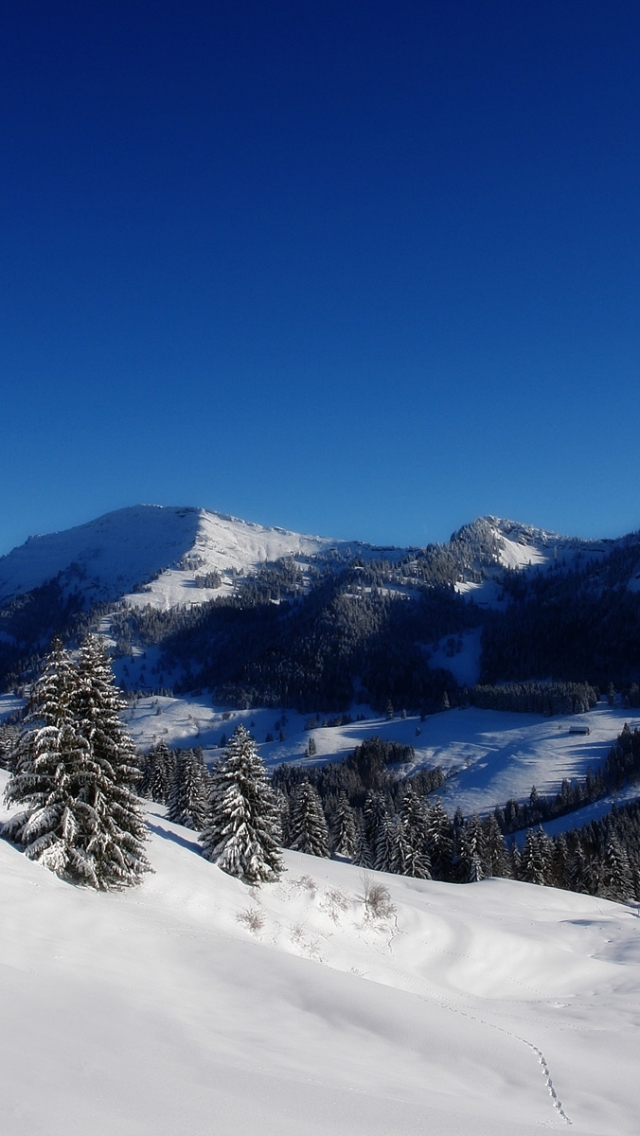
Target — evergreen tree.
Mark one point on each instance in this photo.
(116, 843)
(308, 830)
(376, 830)
(471, 853)
(439, 840)
(74, 773)
(414, 827)
(362, 853)
(536, 859)
(52, 770)
(495, 860)
(615, 876)
(343, 828)
(242, 831)
(388, 854)
(159, 773)
(188, 800)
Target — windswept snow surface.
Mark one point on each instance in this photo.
(196, 1004)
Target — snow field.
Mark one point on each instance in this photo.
(489, 756)
(193, 1002)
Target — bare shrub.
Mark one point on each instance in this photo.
(252, 918)
(377, 900)
(334, 903)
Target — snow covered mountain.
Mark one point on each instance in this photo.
(169, 552)
(165, 550)
(307, 622)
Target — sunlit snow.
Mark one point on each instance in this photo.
(193, 1003)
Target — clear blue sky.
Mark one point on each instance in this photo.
(366, 269)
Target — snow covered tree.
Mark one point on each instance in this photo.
(159, 772)
(470, 869)
(615, 876)
(308, 830)
(414, 825)
(117, 840)
(52, 771)
(362, 852)
(188, 800)
(494, 850)
(439, 840)
(376, 830)
(343, 828)
(536, 857)
(74, 775)
(242, 831)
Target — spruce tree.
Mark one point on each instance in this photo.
(308, 830)
(439, 840)
(414, 825)
(242, 831)
(52, 772)
(471, 849)
(343, 828)
(116, 843)
(188, 800)
(74, 773)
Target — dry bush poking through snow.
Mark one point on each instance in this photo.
(252, 918)
(334, 902)
(377, 900)
(308, 883)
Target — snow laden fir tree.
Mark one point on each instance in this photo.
(75, 775)
(242, 833)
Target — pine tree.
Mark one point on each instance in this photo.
(242, 831)
(615, 876)
(376, 815)
(159, 773)
(74, 773)
(414, 825)
(535, 866)
(439, 840)
(494, 858)
(362, 852)
(308, 830)
(188, 800)
(470, 869)
(343, 828)
(117, 840)
(52, 771)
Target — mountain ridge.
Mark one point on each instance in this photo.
(265, 616)
(152, 539)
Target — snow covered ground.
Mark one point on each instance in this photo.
(195, 1004)
(489, 755)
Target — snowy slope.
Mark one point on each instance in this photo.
(196, 1004)
(495, 543)
(489, 756)
(109, 556)
(163, 549)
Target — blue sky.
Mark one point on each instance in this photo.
(365, 269)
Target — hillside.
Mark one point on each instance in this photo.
(193, 600)
(193, 1001)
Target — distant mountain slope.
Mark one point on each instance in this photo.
(265, 617)
(108, 557)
